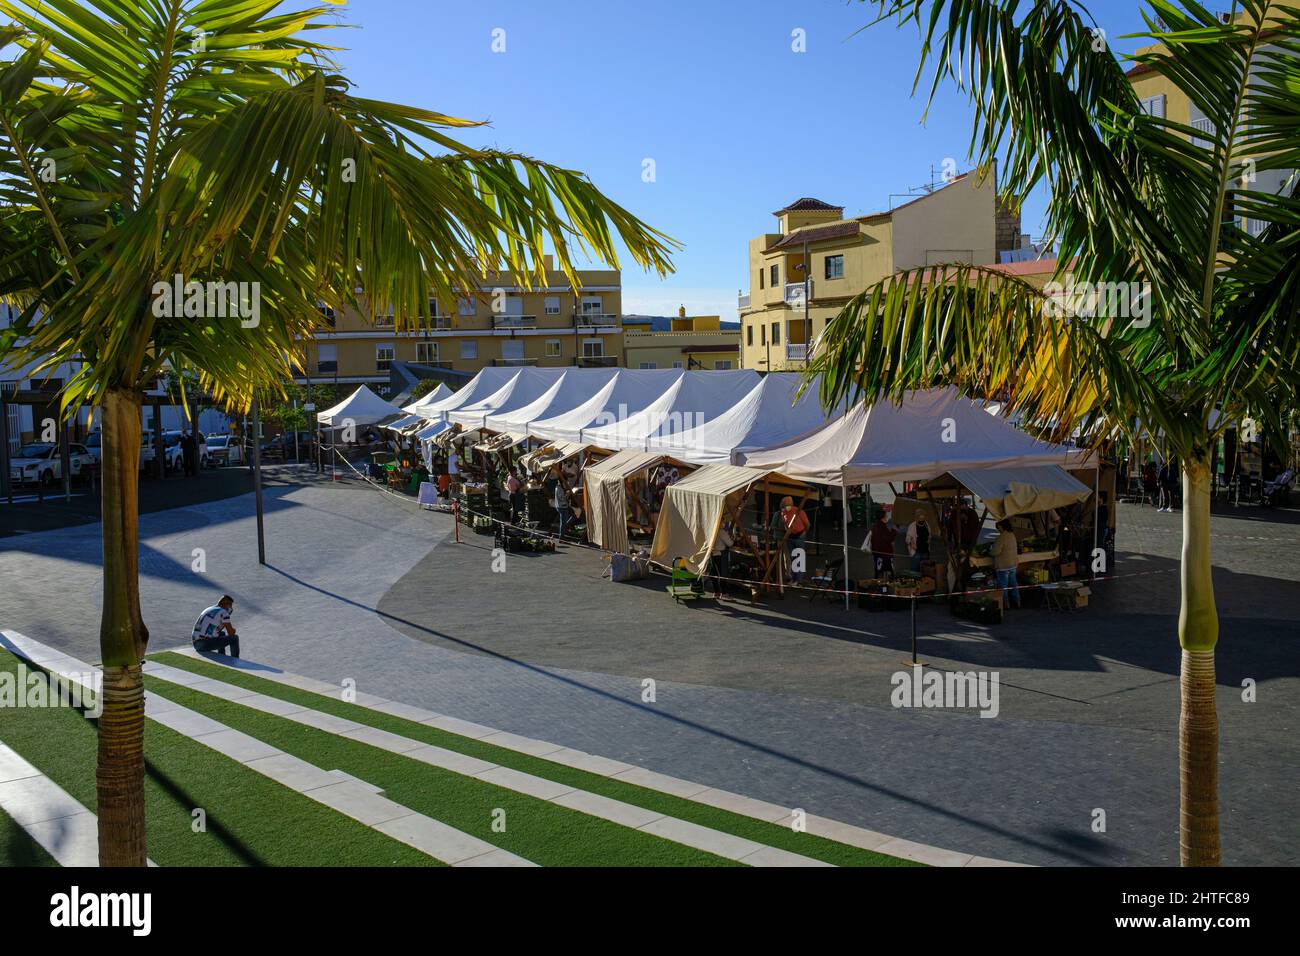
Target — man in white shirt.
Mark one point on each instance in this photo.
(213, 630)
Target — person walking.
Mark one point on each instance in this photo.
(880, 540)
(1006, 559)
(1168, 485)
(918, 541)
(561, 502)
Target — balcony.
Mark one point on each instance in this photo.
(796, 353)
(433, 364)
(794, 294)
(595, 319)
(742, 302)
(515, 363)
(598, 361)
(514, 321)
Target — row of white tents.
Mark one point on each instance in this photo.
(740, 427)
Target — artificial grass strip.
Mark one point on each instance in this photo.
(770, 834)
(539, 831)
(250, 819)
(17, 848)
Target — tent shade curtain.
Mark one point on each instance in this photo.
(692, 513)
(929, 433)
(362, 407)
(607, 497)
(1015, 491)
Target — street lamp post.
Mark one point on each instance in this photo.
(257, 480)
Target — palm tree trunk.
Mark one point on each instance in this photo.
(122, 640)
(1198, 632)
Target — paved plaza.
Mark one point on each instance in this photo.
(786, 701)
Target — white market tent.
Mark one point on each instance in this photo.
(574, 387)
(769, 414)
(929, 433)
(488, 381)
(523, 388)
(628, 392)
(439, 394)
(694, 399)
(362, 407)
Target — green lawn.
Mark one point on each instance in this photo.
(251, 820)
(767, 833)
(539, 831)
(17, 848)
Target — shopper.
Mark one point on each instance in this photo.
(881, 540)
(918, 541)
(1006, 559)
(789, 525)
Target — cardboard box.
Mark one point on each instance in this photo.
(1069, 570)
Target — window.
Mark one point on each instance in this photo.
(512, 351)
(835, 267)
(593, 348)
(1154, 106)
(722, 364)
(776, 275)
(776, 333)
(552, 305)
(762, 334)
(593, 305)
(426, 353)
(553, 348)
(649, 365)
(326, 312)
(386, 319)
(677, 365)
(465, 307)
(469, 348)
(760, 278)
(749, 335)
(383, 357)
(327, 359)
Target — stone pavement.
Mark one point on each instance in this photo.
(787, 702)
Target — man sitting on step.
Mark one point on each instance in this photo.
(213, 630)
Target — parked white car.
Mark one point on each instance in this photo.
(224, 450)
(40, 463)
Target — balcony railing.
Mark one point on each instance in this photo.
(796, 353)
(742, 302)
(794, 294)
(590, 319)
(514, 321)
(515, 363)
(598, 361)
(435, 363)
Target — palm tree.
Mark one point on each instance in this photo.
(1133, 198)
(150, 145)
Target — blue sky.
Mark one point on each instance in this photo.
(736, 122)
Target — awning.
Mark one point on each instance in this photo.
(607, 496)
(1014, 491)
(548, 456)
(362, 407)
(500, 442)
(692, 513)
(401, 423)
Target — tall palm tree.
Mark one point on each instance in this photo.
(1133, 198)
(215, 141)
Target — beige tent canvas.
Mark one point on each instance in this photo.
(692, 513)
(606, 496)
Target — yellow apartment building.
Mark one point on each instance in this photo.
(960, 221)
(499, 325)
(1161, 98)
(693, 342)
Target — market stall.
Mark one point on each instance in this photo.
(610, 509)
(697, 507)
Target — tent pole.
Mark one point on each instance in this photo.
(844, 526)
(1096, 507)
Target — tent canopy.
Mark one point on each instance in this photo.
(693, 400)
(629, 391)
(362, 407)
(573, 387)
(1014, 491)
(767, 415)
(548, 456)
(489, 380)
(693, 510)
(524, 388)
(929, 433)
(439, 394)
